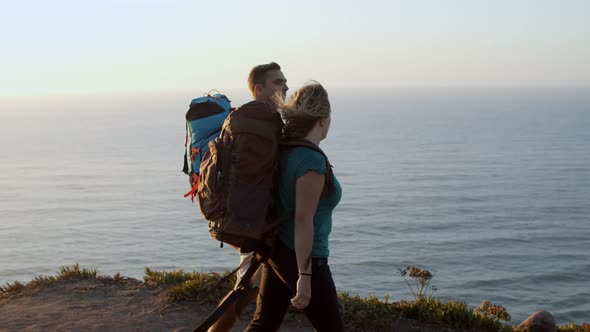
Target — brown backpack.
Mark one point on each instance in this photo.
(238, 176)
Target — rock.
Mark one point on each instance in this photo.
(540, 321)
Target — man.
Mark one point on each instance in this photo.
(264, 82)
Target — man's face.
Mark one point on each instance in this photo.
(275, 82)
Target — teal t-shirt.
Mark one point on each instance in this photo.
(296, 163)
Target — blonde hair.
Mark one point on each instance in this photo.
(304, 108)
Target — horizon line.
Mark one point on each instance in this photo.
(200, 90)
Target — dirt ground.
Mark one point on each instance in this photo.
(76, 304)
(106, 305)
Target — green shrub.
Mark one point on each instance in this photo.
(75, 271)
(11, 288)
(209, 287)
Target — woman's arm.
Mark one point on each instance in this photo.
(308, 190)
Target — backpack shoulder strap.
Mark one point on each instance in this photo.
(302, 142)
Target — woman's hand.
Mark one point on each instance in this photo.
(301, 299)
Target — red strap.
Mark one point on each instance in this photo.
(194, 152)
(193, 192)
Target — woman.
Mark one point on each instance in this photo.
(297, 270)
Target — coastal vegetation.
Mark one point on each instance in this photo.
(359, 313)
(63, 273)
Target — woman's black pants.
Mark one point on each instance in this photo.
(278, 286)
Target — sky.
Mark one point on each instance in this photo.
(111, 46)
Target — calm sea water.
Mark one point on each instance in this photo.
(490, 190)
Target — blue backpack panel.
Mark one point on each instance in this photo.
(204, 119)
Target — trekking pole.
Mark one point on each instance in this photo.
(235, 294)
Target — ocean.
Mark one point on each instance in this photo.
(487, 189)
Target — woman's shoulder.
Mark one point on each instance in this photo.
(304, 158)
(302, 152)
